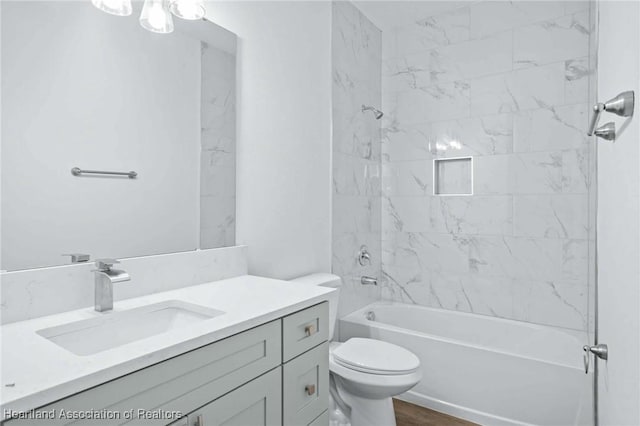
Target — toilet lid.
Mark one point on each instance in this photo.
(375, 356)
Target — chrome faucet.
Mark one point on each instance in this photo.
(105, 277)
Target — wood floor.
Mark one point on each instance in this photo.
(412, 415)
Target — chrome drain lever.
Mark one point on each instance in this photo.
(600, 350)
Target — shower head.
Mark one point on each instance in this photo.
(376, 112)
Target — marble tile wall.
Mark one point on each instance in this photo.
(507, 83)
(218, 148)
(356, 73)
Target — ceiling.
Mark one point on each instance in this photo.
(389, 14)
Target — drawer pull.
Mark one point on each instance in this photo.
(309, 330)
(199, 420)
(310, 389)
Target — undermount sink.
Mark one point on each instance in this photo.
(88, 337)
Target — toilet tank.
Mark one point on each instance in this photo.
(325, 280)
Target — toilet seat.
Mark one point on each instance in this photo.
(374, 380)
(370, 385)
(375, 357)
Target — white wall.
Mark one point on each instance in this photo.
(95, 91)
(619, 218)
(284, 140)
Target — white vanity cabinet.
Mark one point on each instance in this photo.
(273, 374)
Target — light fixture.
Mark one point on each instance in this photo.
(187, 9)
(156, 14)
(114, 7)
(155, 17)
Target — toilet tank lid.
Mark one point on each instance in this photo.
(320, 279)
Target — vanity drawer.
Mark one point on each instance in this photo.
(304, 330)
(305, 386)
(182, 384)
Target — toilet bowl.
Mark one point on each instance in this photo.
(365, 373)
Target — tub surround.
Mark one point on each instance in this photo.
(356, 49)
(515, 96)
(43, 372)
(509, 85)
(34, 293)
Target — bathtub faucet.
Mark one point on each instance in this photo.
(368, 281)
(364, 257)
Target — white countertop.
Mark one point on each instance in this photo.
(43, 372)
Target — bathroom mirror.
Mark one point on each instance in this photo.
(85, 89)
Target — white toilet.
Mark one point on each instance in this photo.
(365, 373)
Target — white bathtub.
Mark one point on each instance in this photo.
(487, 370)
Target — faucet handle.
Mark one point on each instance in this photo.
(78, 257)
(105, 264)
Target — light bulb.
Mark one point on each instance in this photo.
(155, 17)
(187, 9)
(114, 7)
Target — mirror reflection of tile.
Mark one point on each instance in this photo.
(453, 176)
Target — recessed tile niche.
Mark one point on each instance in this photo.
(453, 176)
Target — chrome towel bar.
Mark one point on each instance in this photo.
(76, 171)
